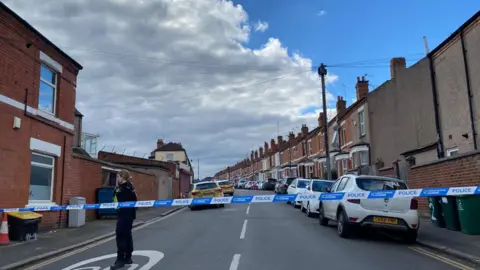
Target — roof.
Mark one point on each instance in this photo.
(44, 39)
(78, 113)
(170, 147)
(351, 107)
(454, 34)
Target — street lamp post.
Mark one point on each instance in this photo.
(322, 72)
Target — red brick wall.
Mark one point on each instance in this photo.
(389, 171)
(459, 171)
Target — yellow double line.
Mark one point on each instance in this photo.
(441, 258)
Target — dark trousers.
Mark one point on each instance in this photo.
(124, 237)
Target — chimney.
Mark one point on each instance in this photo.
(320, 120)
(273, 146)
(251, 155)
(341, 106)
(299, 134)
(361, 87)
(397, 65)
(265, 146)
(159, 143)
(256, 155)
(280, 141)
(261, 152)
(291, 136)
(304, 130)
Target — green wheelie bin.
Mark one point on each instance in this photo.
(436, 214)
(450, 213)
(469, 214)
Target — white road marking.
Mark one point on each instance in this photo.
(235, 262)
(248, 209)
(153, 258)
(42, 264)
(244, 229)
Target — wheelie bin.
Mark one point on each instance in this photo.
(436, 212)
(469, 214)
(23, 225)
(450, 213)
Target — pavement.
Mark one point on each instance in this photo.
(251, 237)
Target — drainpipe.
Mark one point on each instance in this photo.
(440, 151)
(469, 90)
(63, 180)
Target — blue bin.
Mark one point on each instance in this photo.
(105, 195)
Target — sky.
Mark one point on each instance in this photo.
(223, 77)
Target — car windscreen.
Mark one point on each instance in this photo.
(205, 186)
(371, 184)
(321, 186)
(302, 183)
(290, 180)
(224, 183)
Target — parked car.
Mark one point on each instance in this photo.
(249, 184)
(205, 189)
(227, 187)
(317, 187)
(398, 214)
(260, 184)
(269, 184)
(241, 184)
(283, 184)
(297, 186)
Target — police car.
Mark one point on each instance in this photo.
(208, 189)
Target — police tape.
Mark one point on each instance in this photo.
(325, 196)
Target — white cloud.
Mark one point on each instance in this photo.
(177, 70)
(321, 13)
(260, 26)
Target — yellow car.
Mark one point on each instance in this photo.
(205, 190)
(227, 187)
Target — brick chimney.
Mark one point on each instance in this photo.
(320, 120)
(256, 155)
(304, 130)
(261, 152)
(291, 136)
(280, 141)
(361, 87)
(251, 155)
(341, 106)
(265, 146)
(160, 143)
(397, 65)
(273, 146)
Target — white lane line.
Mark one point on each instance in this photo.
(235, 262)
(244, 229)
(248, 209)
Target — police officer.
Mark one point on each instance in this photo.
(124, 192)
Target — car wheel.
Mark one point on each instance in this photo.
(308, 212)
(410, 237)
(344, 228)
(321, 217)
(193, 208)
(303, 209)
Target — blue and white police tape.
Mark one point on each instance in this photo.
(326, 196)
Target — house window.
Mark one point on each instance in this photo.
(309, 147)
(363, 158)
(48, 89)
(452, 152)
(344, 166)
(361, 123)
(343, 136)
(170, 157)
(41, 178)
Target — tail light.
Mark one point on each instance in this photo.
(414, 204)
(356, 201)
(194, 193)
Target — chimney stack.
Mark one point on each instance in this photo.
(256, 155)
(280, 141)
(265, 146)
(159, 143)
(397, 65)
(273, 146)
(320, 120)
(361, 87)
(291, 136)
(251, 156)
(341, 106)
(261, 152)
(304, 130)
(299, 134)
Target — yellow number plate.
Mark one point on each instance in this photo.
(385, 220)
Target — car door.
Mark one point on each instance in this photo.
(327, 204)
(340, 188)
(292, 189)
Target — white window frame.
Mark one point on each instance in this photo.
(54, 105)
(452, 150)
(343, 135)
(361, 122)
(173, 156)
(309, 147)
(42, 165)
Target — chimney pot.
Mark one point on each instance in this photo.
(358, 79)
(159, 143)
(363, 78)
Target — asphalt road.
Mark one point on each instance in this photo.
(251, 237)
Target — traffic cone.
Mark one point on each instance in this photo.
(4, 240)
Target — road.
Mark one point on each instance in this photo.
(251, 237)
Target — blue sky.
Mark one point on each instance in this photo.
(351, 31)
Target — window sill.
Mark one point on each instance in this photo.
(40, 204)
